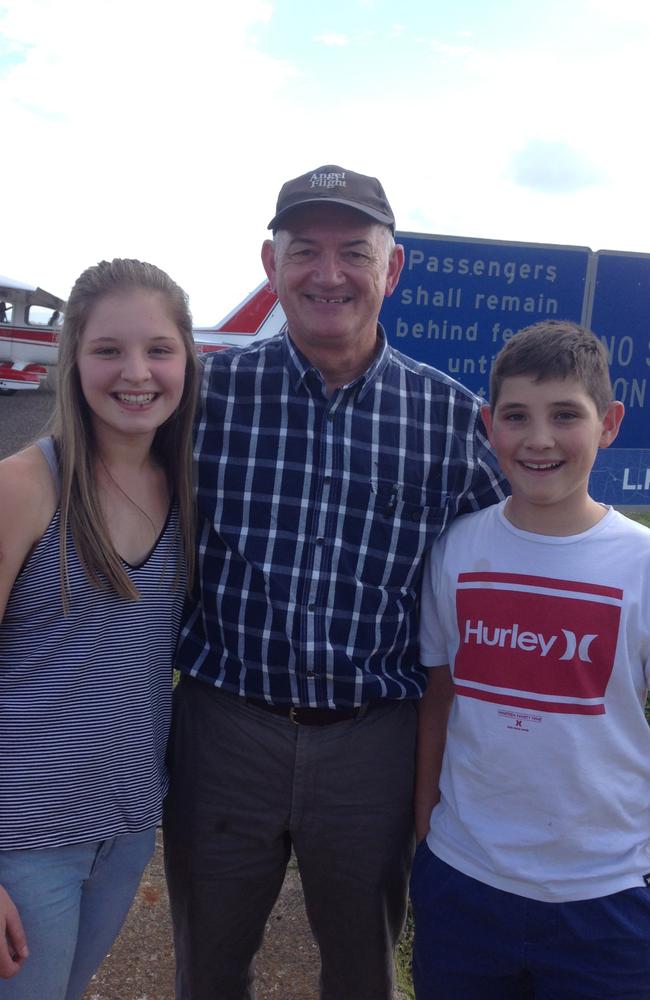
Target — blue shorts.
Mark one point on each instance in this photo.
(474, 942)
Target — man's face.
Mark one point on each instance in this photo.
(331, 268)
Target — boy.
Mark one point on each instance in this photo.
(534, 874)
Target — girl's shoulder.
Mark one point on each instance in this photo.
(28, 501)
(26, 469)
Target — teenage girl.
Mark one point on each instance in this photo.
(96, 548)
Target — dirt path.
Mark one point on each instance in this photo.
(141, 963)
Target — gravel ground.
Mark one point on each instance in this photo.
(140, 965)
(23, 417)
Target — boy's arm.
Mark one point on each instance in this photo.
(433, 713)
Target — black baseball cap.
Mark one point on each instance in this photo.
(337, 186)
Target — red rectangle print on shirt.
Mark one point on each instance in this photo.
(535, 642)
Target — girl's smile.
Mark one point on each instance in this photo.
(131, 362)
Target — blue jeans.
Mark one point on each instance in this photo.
(72, 901)
(474, 942)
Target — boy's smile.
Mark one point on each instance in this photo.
(546, 436)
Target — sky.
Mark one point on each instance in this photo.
(163, 130)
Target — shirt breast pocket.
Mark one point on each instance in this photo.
(397, 523)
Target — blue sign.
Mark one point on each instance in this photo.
(458, 301)
(621, 476)
(620, 315)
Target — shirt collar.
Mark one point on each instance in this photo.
(300, 368)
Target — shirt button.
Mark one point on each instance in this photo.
(320, 541)
(327, 480)
(310, 673)
(311, 607)
(415, 516)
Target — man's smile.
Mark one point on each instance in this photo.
(330, 300)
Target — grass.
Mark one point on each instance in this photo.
(403, 959)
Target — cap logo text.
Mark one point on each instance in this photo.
(327, 180)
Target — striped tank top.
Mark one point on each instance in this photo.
(85, 699)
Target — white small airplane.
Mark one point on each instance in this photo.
(30, 320)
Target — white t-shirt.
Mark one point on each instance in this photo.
(546, 776)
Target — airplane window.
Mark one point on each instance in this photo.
(42, 316)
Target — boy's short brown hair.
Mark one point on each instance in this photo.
(555, 349)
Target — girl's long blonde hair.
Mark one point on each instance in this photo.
(72, 428)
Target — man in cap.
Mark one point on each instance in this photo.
(328, 464)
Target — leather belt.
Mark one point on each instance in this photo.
(302, 716)
(299, 715)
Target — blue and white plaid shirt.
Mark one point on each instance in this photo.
(315, 514)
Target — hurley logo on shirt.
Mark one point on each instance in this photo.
(516, 637)
(516, 649)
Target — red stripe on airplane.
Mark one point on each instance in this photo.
(252, 314)
(16, 375)
(28, 335)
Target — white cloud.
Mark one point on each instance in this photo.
(143, 128)
(448, 48)
(553, 167)
(138, 131)
(630, 11)
(331, 39)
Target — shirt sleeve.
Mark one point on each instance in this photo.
(487, 484)
(433, 645)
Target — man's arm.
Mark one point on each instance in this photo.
(433, 713)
